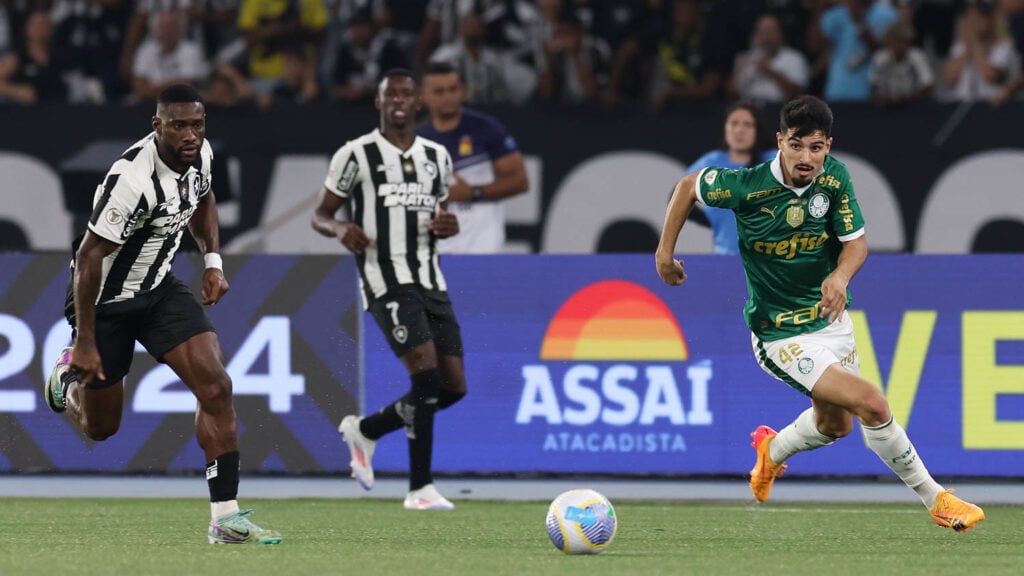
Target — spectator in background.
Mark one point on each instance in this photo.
(361, 58)
(1014, 11)
(934, 24)
(900, 72)
(621, 27)
(488, 164)
(227, 88)
(571, 58)
(852, 31)
(298, 86)
(480, 66)
(90, 32)
(270, 28)
(222, 41)
(405, 19)
(742, 140)
(33, 73)
(770, 71)
(983, 60)
(441, 26)
(166, 58)
(686, 67)
(143, 21)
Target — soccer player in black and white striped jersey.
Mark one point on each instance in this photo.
(395, 186)
(123, 290)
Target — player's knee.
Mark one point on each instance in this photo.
(874, 410)
(215, 394)
(448, 397)
(98, 431)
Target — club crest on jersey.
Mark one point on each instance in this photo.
(400, 333)
(201, 183)
(709, 177)
(795, 216)
(818, 205)
(430, 169)
(113, 216)
(465, 146)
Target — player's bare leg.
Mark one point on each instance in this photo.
(97, 411)
(415, 412)
(199, 362)
(453, 381)
(842, 388)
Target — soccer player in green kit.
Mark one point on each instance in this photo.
(802, 240)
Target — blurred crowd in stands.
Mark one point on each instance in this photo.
(609, 54)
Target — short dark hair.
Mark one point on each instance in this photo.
(439, 68)
(179, 93)
(400, 72)
(806, 115)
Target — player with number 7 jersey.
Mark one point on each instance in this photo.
(394, 185)
(801, 237)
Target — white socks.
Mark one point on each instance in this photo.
(891, 444)
(219, 510)
(801, 435)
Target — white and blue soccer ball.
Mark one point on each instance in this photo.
(581, 522)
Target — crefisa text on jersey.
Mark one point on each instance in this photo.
(604, 407)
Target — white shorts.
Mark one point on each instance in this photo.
(801, 360)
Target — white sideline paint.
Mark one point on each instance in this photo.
(790, 490)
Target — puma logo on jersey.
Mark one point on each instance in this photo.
(768, 212)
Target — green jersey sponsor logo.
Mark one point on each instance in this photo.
(789, 241)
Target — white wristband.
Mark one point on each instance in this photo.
(213, 260)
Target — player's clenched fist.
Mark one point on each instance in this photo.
(670, 269)
(444, 224)
(353, 238)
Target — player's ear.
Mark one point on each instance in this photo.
(156, 124)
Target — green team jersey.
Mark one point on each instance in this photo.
(790, 239)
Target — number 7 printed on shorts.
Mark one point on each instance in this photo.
(399, 332)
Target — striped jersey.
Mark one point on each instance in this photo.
(143, 205)
(392, 195)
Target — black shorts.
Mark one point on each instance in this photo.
(410, 315)
(160, 320)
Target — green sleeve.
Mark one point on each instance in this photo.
(719, 187)
(847, 218)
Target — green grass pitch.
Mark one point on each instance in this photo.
(378, 537)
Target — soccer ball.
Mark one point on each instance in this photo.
(581, 522)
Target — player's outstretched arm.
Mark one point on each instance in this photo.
(205, 229)
(679, 208)
(85, 357)
(349, 234)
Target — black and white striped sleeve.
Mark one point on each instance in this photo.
(119, 204)
(343, 172)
